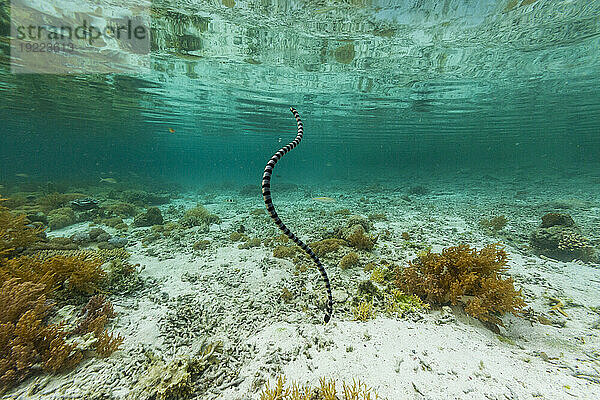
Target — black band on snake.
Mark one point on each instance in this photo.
(266, 191)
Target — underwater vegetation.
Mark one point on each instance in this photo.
(558, 237)
(375, 217)
(56, 210)
(250, 243)
(493, 224)
(168, 229)
(344, 54)
(327, 390)
(199, 216)
(358, 239)
(114, 222)
(355, 231)
(398, 303)
(201, 245)
(30, 287)
(121, 276)
(58, 272)
(15, 232)
(237, 236)
(285, 251)
(121, 209)
(352, 233)
(95, 315)
(107, 343)
(463, 275)
(57, 200)
(349, 260)
(84, 254)
(364, 311)
(381, 294)
(152, 216)
(325, 246)
(26, 342)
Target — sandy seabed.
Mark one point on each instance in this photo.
(233, 295)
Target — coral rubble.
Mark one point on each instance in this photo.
(175, 379)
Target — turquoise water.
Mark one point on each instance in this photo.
(427, 125)
(383, 87)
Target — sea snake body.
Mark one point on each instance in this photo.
(266, 191)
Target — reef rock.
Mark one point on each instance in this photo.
(151, 217)
(355, 232)
(61, 217)
(84, 204)
(558, 237)
(557, 219)
(80, 237)
(118, 242)
(95, 232)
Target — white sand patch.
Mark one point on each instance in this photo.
(402, 359)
